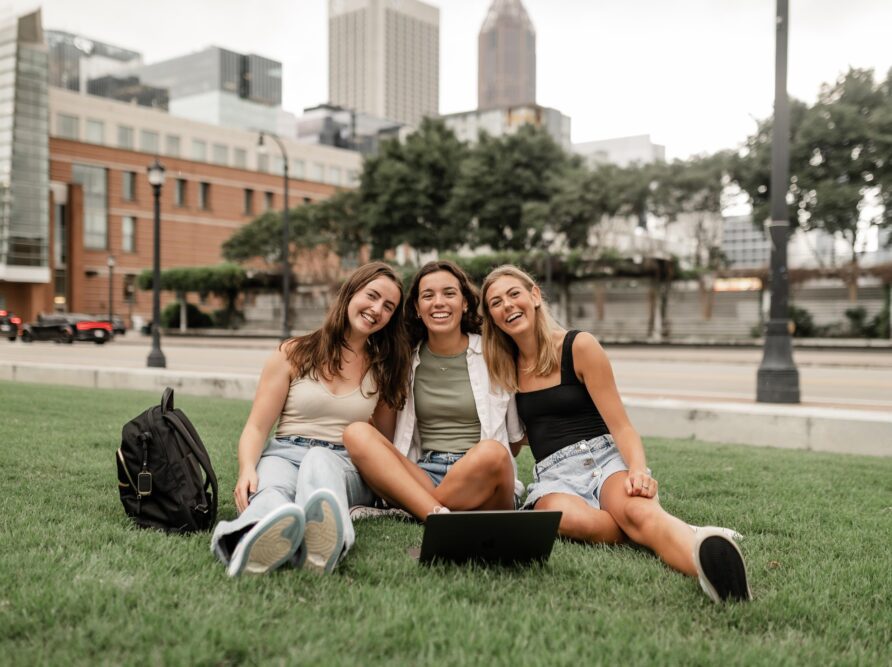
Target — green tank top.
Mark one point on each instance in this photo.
(444, 403)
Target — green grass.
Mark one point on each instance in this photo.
(80, 585)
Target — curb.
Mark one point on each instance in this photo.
(762, 425)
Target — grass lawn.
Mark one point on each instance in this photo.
(80, 585)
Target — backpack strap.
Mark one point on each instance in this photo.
(190, 437)
(167, 400)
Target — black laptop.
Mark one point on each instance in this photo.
(502, 538)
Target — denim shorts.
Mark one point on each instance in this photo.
(578, 470)
(437, 464)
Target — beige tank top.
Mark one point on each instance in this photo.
(312, 411)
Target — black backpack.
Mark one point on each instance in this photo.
(165, 476)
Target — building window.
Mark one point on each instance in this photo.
(240, 158)
(148, 141)
(173, 145)
(204, 196)
(268, 200)
(67, 126)
(221, 154)
(262, 162)
(334, 175)
(318, 173)
(249, 201)
(128, 233)
(179, 192)
(352, 177)
(199, 150)
(95, 131)
(128, 191)
(125, 136)
(94, 182)
(299, 169)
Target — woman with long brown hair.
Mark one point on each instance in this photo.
(590, 462)
(450, 450)
(294, 490)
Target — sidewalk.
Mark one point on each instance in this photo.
(844, 431)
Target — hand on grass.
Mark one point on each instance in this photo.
(244, 487)
(641, 483)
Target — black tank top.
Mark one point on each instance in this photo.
(561, 415)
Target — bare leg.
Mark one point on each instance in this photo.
(648, 524)
(388, 472)
(483, 479)
(580, 521)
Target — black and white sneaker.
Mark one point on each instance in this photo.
(720, 566)
(360, 512)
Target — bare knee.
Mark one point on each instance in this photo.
(640, 513)
(358, 438)
(491, 457)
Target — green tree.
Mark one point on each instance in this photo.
(404, 191)
(498, 179)
(223, 280)
(839, 161)
(262, 237)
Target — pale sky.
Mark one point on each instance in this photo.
(694, 74)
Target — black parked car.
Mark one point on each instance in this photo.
(51, 327)
(10, 325)
(89, 328)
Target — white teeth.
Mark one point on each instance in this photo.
(512, 317)
(368, 318)
(440, 316)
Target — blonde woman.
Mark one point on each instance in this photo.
(590, 462)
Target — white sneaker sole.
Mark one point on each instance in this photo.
(276, 543)
(324, 540)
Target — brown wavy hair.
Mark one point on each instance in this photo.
(471, 319)
(499, 349)
(319, 354)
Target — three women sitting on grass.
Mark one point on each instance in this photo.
(449, 448)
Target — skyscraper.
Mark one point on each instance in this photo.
(506, 70)
(384, 58)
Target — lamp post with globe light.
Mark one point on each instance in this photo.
(286, 267)
(156, 356)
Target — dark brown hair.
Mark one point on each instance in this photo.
(470, 320)
(319, 354)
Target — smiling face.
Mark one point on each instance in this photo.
(511, 305)
(371, 308)
(440, 302)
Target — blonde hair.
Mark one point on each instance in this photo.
(500, 350)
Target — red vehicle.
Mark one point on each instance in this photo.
(10, 325)
(67, 328)
(87, 328)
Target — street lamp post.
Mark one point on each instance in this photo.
(111, 281)
(286, 267)
(777, 380)
(156, 356)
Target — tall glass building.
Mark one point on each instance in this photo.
(24, 151)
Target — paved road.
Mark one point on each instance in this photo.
(850, 379)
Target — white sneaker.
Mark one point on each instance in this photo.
(359, 512)
(730, 533)
(269, 543)
(324, 534)
(720, 566)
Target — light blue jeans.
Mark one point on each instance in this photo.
(289, 470)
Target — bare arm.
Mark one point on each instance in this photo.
(384, 419)
(272, 390)
(593, 368)
(516, 446)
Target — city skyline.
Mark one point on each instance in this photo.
(694, 75)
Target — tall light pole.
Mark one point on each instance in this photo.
(156, 356)
(777, 380)
(111, 281)
(286, 266)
